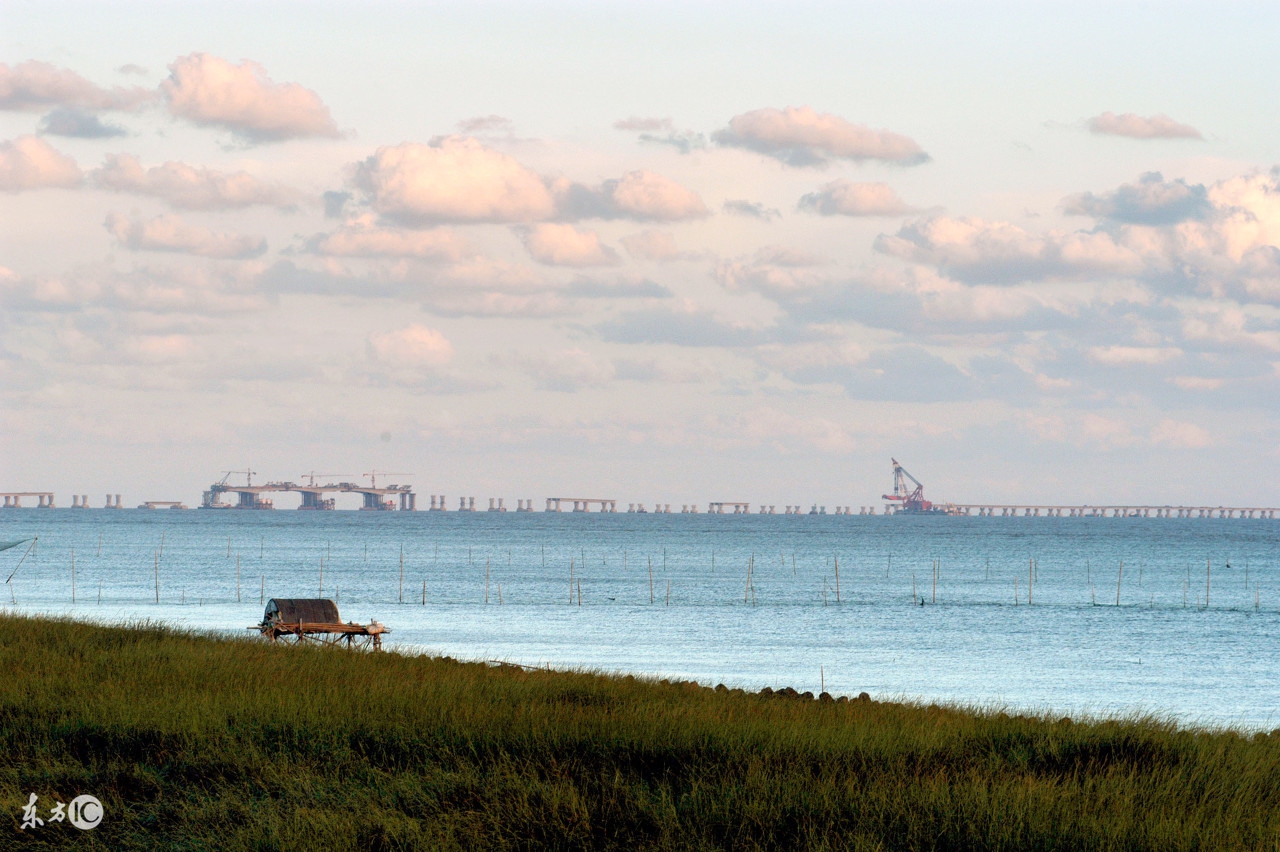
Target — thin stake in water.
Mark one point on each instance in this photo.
(837, 561)
(402, 576)
(650, 579)
(1119, 575)
(486, 582)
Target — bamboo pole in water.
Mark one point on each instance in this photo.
(237, 578)
(837, 561)
(99, 544)
(1031, 578)
(571, 582)
(579, 592)
(228, 547)
(486, 582)
(913, 588)
(424, 592)
(668, 592)
(1015, 591)
(321, 576)
(157, 554)
(650, 579)
(1206, 583)
(1119, 575)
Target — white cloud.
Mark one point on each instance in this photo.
(975, 250)
(191, 187)
(801, 136)
(846, 198)
(241, 98)
(1127, 356)
(565, 245)
(452, 179)
(31, 163)
(1141, 127)
(1149, 201)
(36, 85)
(170, 233)
(412, 346)
(1186, 436)
(1196, 383)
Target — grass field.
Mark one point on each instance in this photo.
(193, 742)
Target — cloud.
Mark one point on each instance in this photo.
(777, 272)
(1182, 436)
(626, 288)
(751, 209)
(241, 98)
(29, 162)
(687, 325)
(641, 195)
(452, 179)
(637, 123)
(131, 68)
(1128, 356)
(486, 124)
(363, 239)
(801, 136)
(170, 233)
(977, 251)
(846, 198)
(207, 290)
(565, 245)
(79, 124)
(191, 187)
(35, 85)
(412, 346)
(568, 370)
(1149, 201)
(652, 245)
(1141, 127)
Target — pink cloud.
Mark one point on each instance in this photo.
(241, 98)
(645, 195)
(366, 240)
(170, 233)
(1141, 127)
(452, 179)
(29, 162)
(846, 198)
(36, 85)
(801, 136)
(412, 346)
(565, 245)
(651, 245)
(191, 187)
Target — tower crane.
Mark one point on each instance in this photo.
(311, 477)
(374, 474)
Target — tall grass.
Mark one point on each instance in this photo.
(194, 742)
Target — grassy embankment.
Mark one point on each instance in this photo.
(193, 742)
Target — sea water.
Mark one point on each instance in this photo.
(1016, 613)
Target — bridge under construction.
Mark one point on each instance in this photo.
(314, 494)
(908, 499)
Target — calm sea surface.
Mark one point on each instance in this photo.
(748, 601)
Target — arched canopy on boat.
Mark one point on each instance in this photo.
(302, 610)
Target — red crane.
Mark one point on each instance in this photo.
(910, 499)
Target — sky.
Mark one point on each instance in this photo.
(651, 252)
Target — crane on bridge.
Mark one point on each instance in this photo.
(311, 477)
(248, 477)
(910, 500)
(374, 474)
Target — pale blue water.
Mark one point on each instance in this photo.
(1160, 651)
